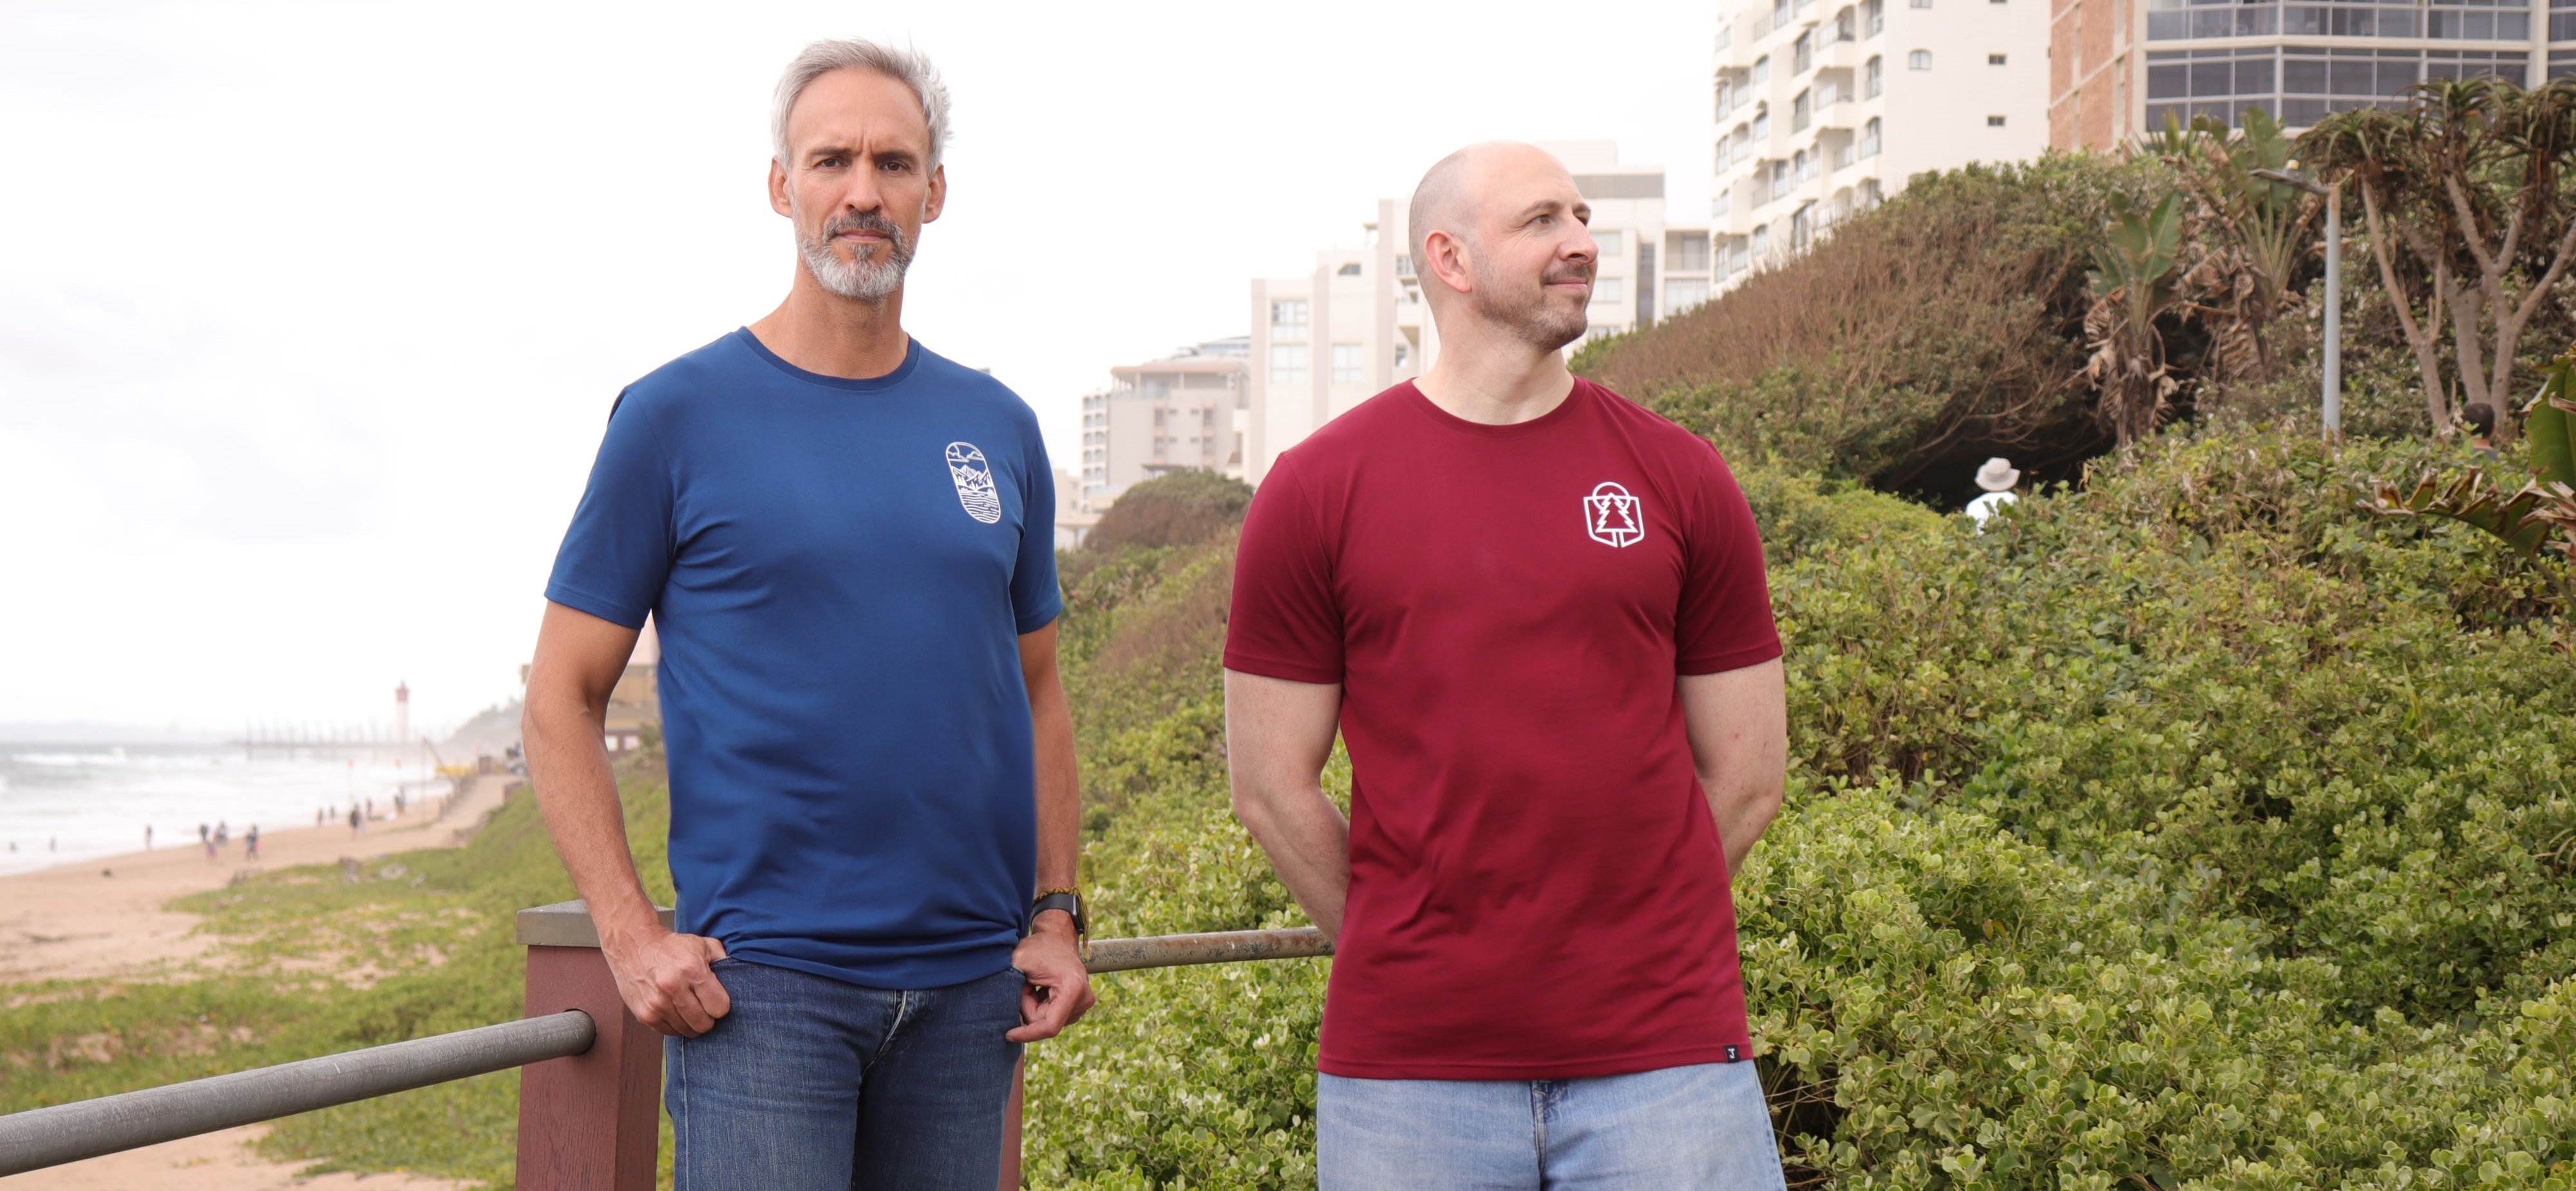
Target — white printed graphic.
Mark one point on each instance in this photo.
(974, 479)
(1613, 517)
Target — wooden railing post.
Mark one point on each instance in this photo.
(590, 1122)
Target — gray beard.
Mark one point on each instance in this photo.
(864, 279)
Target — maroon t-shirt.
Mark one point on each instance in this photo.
(1537, 889)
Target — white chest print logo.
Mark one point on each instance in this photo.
(1613, 517)
(974, 480)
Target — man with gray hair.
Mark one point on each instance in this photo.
(1537, 617)
(846, 545)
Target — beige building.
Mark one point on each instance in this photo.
(1826, 107)
(1324, 342)
(2120, 68)
(1178, 413)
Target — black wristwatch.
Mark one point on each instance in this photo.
(1065, 900)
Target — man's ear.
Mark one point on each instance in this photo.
(938, 193)
(778, 189)
(1446, 259)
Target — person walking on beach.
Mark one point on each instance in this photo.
(250, 843)
(1537, 614)
(357, 822)
(845, 544)
(147, 837)
(223, 836)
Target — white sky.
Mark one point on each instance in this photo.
(311, 314)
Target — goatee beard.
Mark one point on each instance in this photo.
(864, 278)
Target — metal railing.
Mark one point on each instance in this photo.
(589, 1094)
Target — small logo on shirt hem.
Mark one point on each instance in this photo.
(1613, 517)
(974, 479)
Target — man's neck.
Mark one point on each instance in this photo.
(822, 332)
(1492, 376)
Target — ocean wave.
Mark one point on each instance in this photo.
(113, 757)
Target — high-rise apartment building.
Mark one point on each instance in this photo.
(1825, 107)
(1183, 412)
(2119, 68)
(1329, 340)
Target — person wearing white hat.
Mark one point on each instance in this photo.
(1997, 477)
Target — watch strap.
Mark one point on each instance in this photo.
(1069, 902)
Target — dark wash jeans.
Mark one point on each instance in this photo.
(813, 1084)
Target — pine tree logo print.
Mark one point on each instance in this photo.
(1613, 517)
(974, 480)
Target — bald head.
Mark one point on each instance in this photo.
(1445, 199)
(1499, 239)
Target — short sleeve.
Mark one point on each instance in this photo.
(618, 551)
(1725, 616)
(1285, 621)
(1035, 601)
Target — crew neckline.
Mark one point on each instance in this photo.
(912, 354)
(1564, 410)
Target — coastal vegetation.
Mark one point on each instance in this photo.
(2194, 825)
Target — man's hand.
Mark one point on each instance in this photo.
(666, 983)
(1058, 991)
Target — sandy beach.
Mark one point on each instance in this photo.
(109, 918)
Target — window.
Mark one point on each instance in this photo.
(1686, 252)
(1723, 203)
(1288, 364)
(1802, 53)
(1801, 111)
(1868, 193)
(1871, 80)
(1919, 60)
(1404, 266)
(1609, 242)
(1761, 240)
(1762, 124)
(1994, 59)
(1288, 319)
(1869, 138)
(1994, 121)
(1874, 16)
(1346, 364)
(1844, 29)
(1349, 270)
(1606, 291)
(1681, 294)
(1762, 70)
(1779, 13)
(1725, 153)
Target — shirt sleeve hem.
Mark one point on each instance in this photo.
(1042, 617)
(1275, 668)
(1731, 659)
(612, 611)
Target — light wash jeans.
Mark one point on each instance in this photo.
(814, 1084)
(1699, 1128)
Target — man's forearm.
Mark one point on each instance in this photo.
(1743, 811)
(1059, 789)
(1309, 843)
(568, 763)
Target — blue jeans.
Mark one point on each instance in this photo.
(813, 1084)
(1698, 1128)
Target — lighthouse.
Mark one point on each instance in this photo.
(402, 712)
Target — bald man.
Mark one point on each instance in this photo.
(1538, 617)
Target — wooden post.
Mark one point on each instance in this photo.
(590, 1122)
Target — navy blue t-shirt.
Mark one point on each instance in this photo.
(839, 571)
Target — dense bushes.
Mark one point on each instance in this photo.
(1920, 338)
(2191, 830)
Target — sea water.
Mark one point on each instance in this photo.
(61, 804)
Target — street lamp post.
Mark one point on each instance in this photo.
(2334, 290)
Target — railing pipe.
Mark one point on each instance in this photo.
(587, 1097)
(70, 1132)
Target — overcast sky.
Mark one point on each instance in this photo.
(311, 314)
